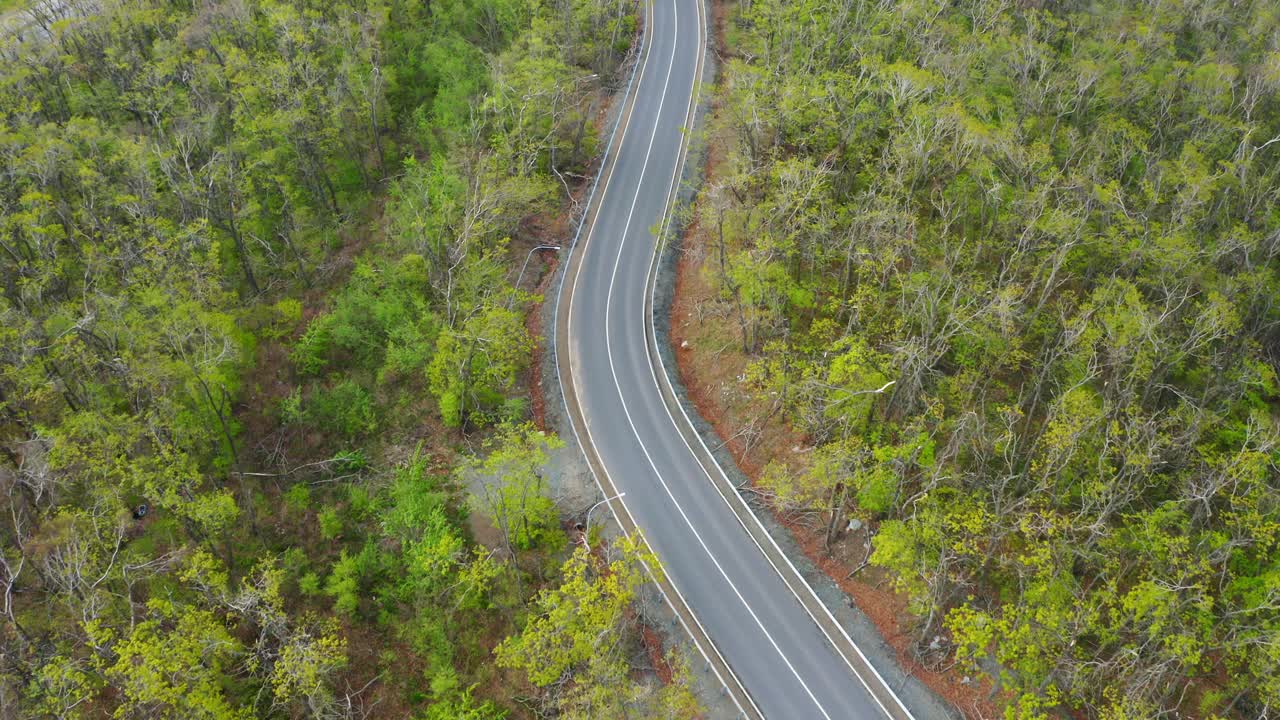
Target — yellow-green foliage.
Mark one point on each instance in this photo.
(1047, 234)
(580, 618)
(190, 187)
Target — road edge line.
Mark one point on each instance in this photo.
(667, 392)
(737, 690)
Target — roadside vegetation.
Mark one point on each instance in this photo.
(259, 345)
(1012, 270)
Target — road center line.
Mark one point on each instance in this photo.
(626, 411)
(623, 122)
(650, 282)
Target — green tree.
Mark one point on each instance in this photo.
(578, 620)
(170, 665)
(475, 366)
(515, 493)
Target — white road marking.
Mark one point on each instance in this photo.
(653, 370)
(649, 288)
(650, 283)
(621, 398)
(640, 68)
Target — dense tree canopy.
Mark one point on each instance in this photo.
(241, 244)
(1014, 268)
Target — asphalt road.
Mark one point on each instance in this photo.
(774, 647)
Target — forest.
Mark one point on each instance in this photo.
(260, 341)
(1013, 269)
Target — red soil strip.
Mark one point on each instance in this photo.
(653, 646)
(652, 642)
(533, 323)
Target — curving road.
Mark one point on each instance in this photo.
(779, 653)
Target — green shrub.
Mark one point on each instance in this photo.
(309, 584)
(298, 497)
(349, 461)
(344, 585)
(877, 489)
(415, 496)
(285, 315)
(475, 366)
(291, 408)
(330, 523)
(359, 502)
(410, 348)
(293, 561)
(352, 574)
(311, 353)
(378, 322)
(345, 409)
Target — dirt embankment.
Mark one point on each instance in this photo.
(712, 366)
